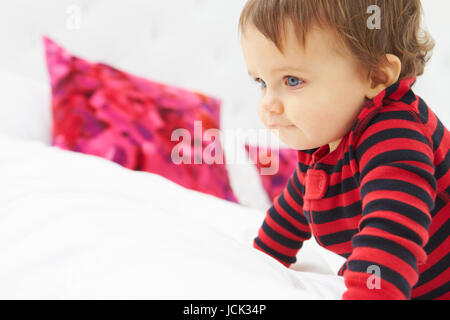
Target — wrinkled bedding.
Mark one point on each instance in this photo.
(74, 226)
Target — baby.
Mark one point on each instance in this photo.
(373, 181)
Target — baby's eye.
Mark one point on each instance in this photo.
(293, 81)
(261, 82)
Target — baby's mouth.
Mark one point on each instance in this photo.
(273, 126)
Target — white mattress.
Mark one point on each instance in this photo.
(74, 226)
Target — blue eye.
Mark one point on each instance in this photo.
(293, 81)
(261, 82)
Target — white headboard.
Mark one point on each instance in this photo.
(191, 43)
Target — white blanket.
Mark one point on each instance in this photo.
(74, 226)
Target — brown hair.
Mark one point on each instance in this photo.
(400, 34)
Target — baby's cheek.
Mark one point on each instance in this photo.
(301, 117)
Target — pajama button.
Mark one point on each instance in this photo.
(316, 184)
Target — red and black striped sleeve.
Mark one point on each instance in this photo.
(285, 228)
(398, 191)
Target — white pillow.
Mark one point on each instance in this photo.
(25, 108)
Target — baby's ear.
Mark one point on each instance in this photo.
(386, 75)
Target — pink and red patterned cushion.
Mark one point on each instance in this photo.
(102, 111)
(263, 157)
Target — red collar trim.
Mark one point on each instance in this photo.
(399, 92)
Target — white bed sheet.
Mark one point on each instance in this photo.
(74, 226)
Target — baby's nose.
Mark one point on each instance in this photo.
(273, 106)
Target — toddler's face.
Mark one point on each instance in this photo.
(312, 95)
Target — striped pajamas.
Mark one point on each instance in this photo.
(381, 200)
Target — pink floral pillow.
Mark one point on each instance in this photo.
(285, 163)
(102, 111)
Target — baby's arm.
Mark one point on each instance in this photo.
(398, 190)
(285, 228)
